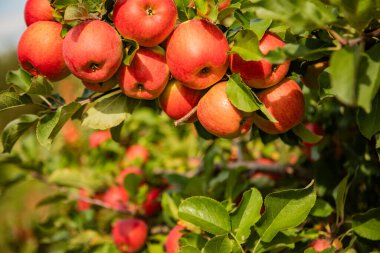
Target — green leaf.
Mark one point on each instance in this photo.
(344, 65)
(15, 129)
(130, 51)
(240, 94)
(340, 194)
(218, 244)
(209, 214)
(64, 3)
(189, 249)
(76, 12)
(202, 132)
(285, 209)
(52, 199)
(306, 135)
(321, 209)
(201, 5)
(10, 100)
(74, 178)
(279, 242)
(131, 185)
(369, 124)
(170, 207)
(259, 26)
(246, 44)
(40, 86)
(247, 214)
(367, 225)
(108, 112)
(19, 78)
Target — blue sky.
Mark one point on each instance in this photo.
(12, 23)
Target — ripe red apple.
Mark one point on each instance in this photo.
(148, 22)
(151, 205)
(93, 51)
(172, 240)
(98, 137)
(137, 152)
(147, 75)
(320, 245)
(102, 86)
(40, 50)
(83, 205)
(219, 117)
(116, 197)
(177, 100)
(286, 103)
(197, 54)
(38, 10)
(130, 170)
(130, 235)
(261, 74)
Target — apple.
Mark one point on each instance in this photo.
(40, 50)
(320, 245)
(98, 137)
(93, 51)
(130, 170)
(148, 22)
(116, 197)
(70, 133)
(38, 10)
(219, 117)
(197, 54)
(147, 75)
(151, 205)
(137, 152)
(129, 235)
(102, 86)
(261, 74)
(83, 205)
(177, 100)
(312, 72)
(286, 103)
(172, 240)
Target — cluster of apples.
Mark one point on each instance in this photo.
(182, 65)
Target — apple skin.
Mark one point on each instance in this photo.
(40, 50)
(93, 51)
(116, 197)
(129, 235)
(38, 10)
(190, 57)
(219, 117)
(137, 152)
(102, 87)
(151, 205)
(98, 137)
(320, 245)
(286, 103)
(124, 173)
(260, 74)
(148, 22)
(147, 76)
(172, 240)
(177, 100)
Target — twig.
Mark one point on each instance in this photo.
(185, 118)
(93, 99)
(102, 204)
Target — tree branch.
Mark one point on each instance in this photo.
(185, 118)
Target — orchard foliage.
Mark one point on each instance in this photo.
(318, 191)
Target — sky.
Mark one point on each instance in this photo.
(12, 23)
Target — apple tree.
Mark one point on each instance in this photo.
(201, 125)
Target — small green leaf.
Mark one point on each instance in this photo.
(76, 12)
(130, 51)
(247, 214)
(170, 207)
(209, 214)
(246, 44)
(279, 242)
(285, 209)
(367, 225)
(240, 94)
(10, 100)
(131, 185)
(74, 178)
(321, 209)
(218, 244)
(340, 194)
(108, 112)
(64, 3)
(40, 86)
(189, 249)
(52, 199)
(259, 26)
(201, 5)
(19, 78)
(369, 124)
(306, 135)
(15, 129)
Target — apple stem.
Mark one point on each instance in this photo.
(185, 118)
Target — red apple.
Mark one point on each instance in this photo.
(40, 50)
(197, 54)
(147, 75)
(116, 197)
(286, 103)
(151, 205)
(83, 205)
(148, 22)
(320, 245)
(130, 170)
(130, 235)
(98, 137)
(137, 152)
(172, 240)
(102, 86)
(177, 100)
(219, 117)
(261, 74)
(38, 10)
(70, 133)
(93, 51)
